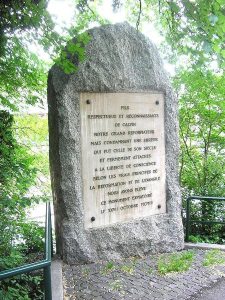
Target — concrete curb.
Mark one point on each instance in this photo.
(56, 279)
(204, 246)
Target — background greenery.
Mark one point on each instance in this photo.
(192, 34)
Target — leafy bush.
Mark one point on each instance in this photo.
(19, 238)
(202, 160)
(23, 287)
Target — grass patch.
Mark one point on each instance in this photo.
(176, 262)
(129, 269)
(134, 260)
(86, 272)
(116, 285)
(109, 267)
(214, 257)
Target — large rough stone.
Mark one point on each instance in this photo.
(119, 59)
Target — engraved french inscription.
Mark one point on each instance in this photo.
(123, 156)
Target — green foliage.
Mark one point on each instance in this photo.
(73, 53)
(194, 38)
(16, 173)
(116, 285)
(18, 237)
(26, 243)
(176, 262)
(23, 287)
(85, 272)
(216, 235)
(32, 238)
(32, 132)
(202, 169)
(109, 267)
(16, 177)
(129, 269)
(202, 111)
(214, 257)
(27, 239)
(77, 38)
(15, 258)
(23, 75)
(191, 28)
(196, 27)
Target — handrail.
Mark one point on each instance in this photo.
(188, 207)
(43, 264)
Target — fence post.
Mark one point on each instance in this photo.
(51, 237)
(188, 219)
(47, 283)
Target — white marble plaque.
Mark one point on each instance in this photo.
(123, 156)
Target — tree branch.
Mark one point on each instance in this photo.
(190, 156)
(159, 5)
(139, 15)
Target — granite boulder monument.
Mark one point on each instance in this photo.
(114, 151)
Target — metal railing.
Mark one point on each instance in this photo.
(188, 212)
(43, 264)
